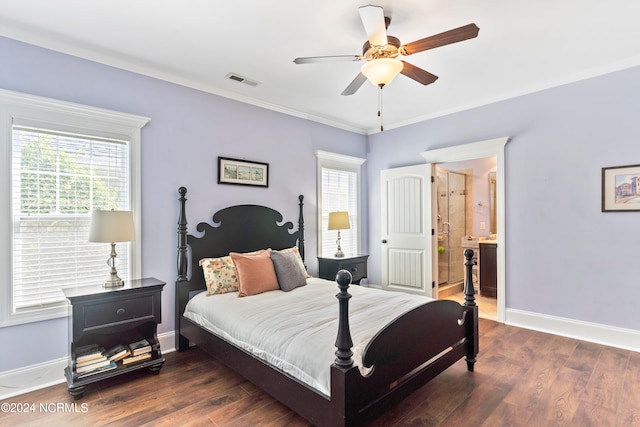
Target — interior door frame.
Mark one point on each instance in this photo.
(488, 148)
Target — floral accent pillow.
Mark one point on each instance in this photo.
(219, 275)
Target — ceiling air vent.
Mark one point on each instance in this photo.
(241, 79)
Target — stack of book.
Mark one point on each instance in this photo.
(118, 353)
(91, 359)
(139, 351)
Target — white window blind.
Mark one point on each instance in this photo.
(57, 179)
(339, 193)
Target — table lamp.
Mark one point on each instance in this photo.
(339, 221)
(111, 227)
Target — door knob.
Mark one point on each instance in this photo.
(384, 241)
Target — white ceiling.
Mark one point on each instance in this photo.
(523, 46)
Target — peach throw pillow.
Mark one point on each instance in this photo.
(255, 273)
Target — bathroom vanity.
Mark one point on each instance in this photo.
(485, 272)
(488, 268)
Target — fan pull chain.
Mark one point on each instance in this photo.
(380, 107)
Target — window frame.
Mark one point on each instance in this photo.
(71, 117)
(346, 163)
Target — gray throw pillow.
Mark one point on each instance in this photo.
(288, 271)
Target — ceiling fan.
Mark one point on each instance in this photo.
(381, 51)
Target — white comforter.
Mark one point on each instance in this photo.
(296, 331)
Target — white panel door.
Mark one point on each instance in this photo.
(408, 243)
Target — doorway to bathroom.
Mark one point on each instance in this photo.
(466, 220)
(494, 189)
(451, 228)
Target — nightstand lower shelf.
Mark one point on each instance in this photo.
(77, 387)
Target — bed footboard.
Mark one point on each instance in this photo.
(403, 356)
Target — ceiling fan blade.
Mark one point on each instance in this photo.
(374, 24)
(418, 74)
(354, 85)
(452, 36)
(314, 59)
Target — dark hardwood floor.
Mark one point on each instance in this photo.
(522, 378)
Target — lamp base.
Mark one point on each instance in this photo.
(113, 283)
(114, 280)
(339, 253)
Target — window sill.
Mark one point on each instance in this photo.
(34, 315)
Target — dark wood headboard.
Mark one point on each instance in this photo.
(241, 228)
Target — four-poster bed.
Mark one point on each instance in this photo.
(403, 354)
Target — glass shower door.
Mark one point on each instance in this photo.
(451, 226)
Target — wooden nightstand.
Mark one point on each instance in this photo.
(112, 316)
(328, 267)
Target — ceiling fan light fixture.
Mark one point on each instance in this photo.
(382, 71)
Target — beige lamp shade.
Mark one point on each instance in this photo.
(111, 226)
(339, 221)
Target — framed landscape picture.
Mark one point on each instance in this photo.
(621, 188)
(242, 172)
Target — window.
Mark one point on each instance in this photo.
(63, 161)
(338, 190)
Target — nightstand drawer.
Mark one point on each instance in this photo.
(358, 270)
(118, 311)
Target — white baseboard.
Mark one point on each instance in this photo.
(628, 339)
(30, 378)
(167, 342)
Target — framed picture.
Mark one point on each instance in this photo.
(242, 172)
(621, 188)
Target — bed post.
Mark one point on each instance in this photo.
(472, 310)
(301, 228)
(182, 236)
(343, 340)
(181, 342)
(343, 372)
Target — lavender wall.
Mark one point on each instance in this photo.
(180, 145)
(564, 256)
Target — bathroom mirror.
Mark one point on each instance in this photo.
(492, 203)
